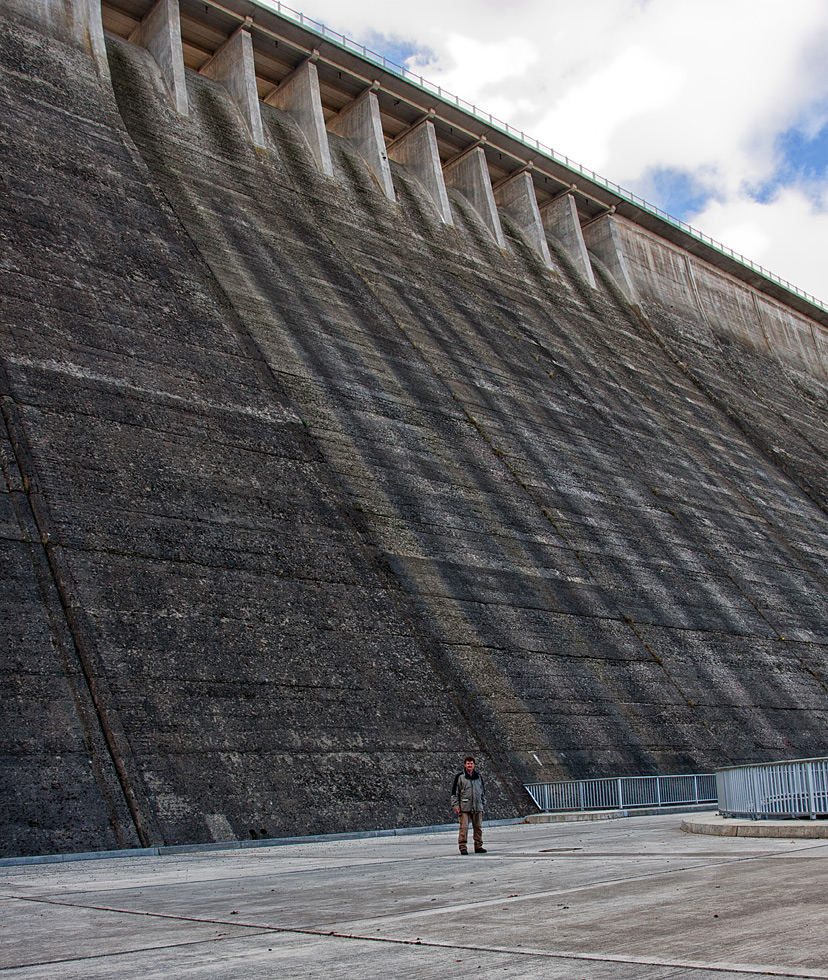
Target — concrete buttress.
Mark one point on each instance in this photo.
(232, 66)
(417, 150)
(602, 239)
(160, 33)
(469, 175)
(560, 219)
(516, 196)
(298, 95)
(360, 123)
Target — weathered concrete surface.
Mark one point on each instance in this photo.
(592, 548)
(764, 365)
(320, 491)
(633, 900)
(223, 656)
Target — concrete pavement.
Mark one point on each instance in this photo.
(613, 900)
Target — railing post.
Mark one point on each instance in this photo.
(809, 783)
(696, 787)
(658, 790)
(620, 795)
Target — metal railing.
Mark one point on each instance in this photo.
(798, 788)
(422, 83)
(624, 792)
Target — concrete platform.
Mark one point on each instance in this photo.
(718, 826)
(633, 899)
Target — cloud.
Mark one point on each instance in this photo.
(787, 234)
(714, 104)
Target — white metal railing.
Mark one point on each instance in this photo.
(422, 83)
(798, 788)
(624, 792)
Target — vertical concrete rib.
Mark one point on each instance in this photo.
(602, 238)
(360, 123)
(232, 66)
(417, 150)
(299, 96)
(516, 196)
(160, 33)
(560, 220)
(469, 174)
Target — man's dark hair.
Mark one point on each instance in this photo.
(469, 758)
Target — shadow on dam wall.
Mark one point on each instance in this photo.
(306, 494)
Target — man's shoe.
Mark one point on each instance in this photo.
(480, 850)
(463, 850)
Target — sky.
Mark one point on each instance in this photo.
(715, 111)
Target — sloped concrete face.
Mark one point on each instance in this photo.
(305, 495)
(517, 198)
(298, 95)
(560, 219)
(232, 66)
(418, 151)
(470, 176)
(360, 123)
(160, 33)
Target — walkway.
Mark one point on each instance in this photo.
(633, 899)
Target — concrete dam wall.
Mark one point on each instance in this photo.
(320, 472)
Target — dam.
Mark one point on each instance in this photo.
(345, 433)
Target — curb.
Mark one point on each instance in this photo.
(716, 826)
(574, 816)
(163, 850)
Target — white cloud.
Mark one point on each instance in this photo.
(628, 87)
(787, 235)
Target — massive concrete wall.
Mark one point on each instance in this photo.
(309, 491)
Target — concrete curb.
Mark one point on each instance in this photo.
(718, 826)
(163, 850)
(574, 816)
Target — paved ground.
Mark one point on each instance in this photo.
(633, 899)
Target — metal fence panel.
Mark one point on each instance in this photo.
(623, 792)
(798, 788)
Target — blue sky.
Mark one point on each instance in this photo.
(716, 111)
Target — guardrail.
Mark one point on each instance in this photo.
(624, 792)
(412, 77)
(798, 788)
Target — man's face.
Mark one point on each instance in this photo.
(469, 767)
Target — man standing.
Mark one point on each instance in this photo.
(468, 796)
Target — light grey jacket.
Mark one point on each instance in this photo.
(468, 792)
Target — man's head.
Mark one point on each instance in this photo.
(469, 764)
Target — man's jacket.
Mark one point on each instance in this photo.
(468, 792)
